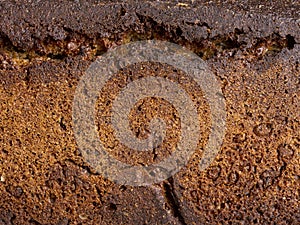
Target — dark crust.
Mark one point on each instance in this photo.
(25, 24)
(254, 179)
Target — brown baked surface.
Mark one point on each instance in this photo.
(252, 48)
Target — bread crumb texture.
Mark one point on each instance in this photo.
(254, 54)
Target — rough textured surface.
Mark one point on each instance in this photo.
(253, 48)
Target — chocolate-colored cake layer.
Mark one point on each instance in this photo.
(252, 48)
